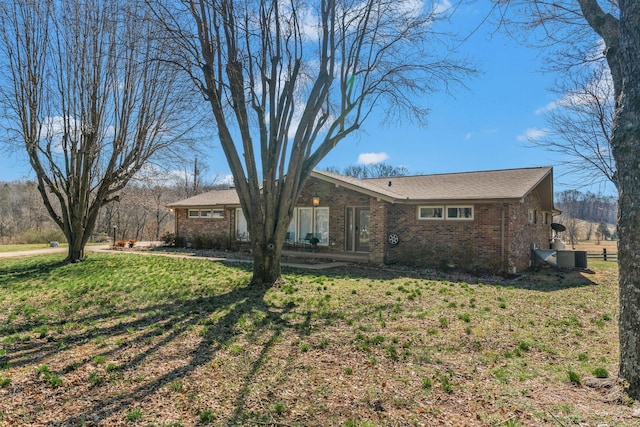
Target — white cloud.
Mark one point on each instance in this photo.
(224, 180)
(441, 7)
(479, 133)
(599, 87)
(372, 158)
(600, 90)
(550, 106)
(532, 134)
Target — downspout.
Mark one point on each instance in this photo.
(502, 237)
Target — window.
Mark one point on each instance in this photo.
(242, 232)
(306, 221)
(460, 212)
(206, 213)
(430, 212)
(309, 221)
(545, 217)
(452, 212)
(532, 216)
(291, 231)
(321, 228)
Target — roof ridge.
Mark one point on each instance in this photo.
(455, 173)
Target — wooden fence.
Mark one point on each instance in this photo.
(603, 255)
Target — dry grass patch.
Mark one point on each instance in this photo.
(128, 340)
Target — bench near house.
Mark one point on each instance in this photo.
(473, 220)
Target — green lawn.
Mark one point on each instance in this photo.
(124, 339)
(26, 247)
(37, 246)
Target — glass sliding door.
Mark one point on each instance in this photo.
(321, 230)
(305, 223)
(291, 236)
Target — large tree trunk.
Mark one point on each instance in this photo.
(267, 239)
(626, 149)
(266, 265)
(77, 233)
(628, 163)
(628, 260)
(76, 250)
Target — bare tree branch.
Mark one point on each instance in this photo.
(88, 101)
(287, 80)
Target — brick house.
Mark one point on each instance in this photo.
(487, 219)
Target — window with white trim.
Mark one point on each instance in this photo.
(545, 217)
(242, 231)
(430, 212)
(309, 222)
(305, 223)
(460, 212)
(532, 216)
(321, 225)
(206, 213)
(290, 238)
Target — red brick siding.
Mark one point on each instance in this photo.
(436, 242)
(189, 228)
(337, 199)
(378, 225)
(481, 242)
(469, 244)
(523, 235)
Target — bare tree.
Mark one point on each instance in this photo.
(615, 25)
(580, 126)
(377, 170)
(87, 100)
(287, 80)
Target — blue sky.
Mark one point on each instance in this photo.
(478, 128)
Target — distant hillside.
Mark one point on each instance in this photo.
(587, 206)
(579, 230)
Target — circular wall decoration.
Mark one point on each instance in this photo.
(394, 239)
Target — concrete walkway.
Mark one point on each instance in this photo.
(107, 248)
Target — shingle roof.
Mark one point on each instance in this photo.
(501, 184)
(482, 185)
(465, 186)
(210, 198)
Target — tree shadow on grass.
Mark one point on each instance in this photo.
(152, 329)
(157, 327)
(27, 269)
(546, 279)
(241, 299)
(550, 279)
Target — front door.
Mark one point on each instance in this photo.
(357, 224)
